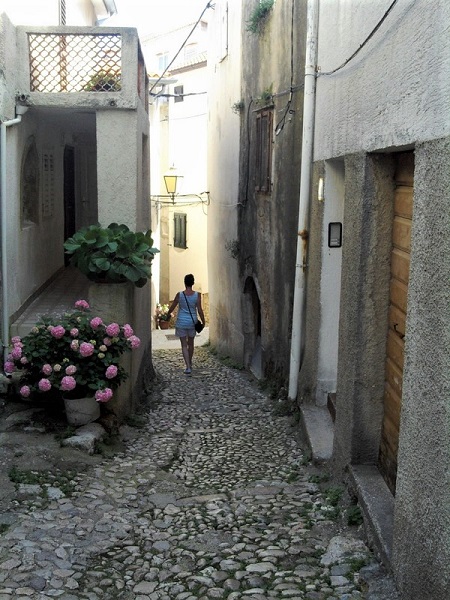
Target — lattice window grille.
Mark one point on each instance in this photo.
(75, 62)
(48, 184)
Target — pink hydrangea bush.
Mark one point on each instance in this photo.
(78, 355)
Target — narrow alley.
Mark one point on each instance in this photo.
(212, 497)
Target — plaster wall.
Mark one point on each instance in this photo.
(35, 249)
(421, 555)
(224, 72)
(118, 194)
(330, 283)
(368, 207)
(268, 221)
(188, 152)
(396, 90)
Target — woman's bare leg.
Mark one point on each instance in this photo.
(191, 350)
(185, 351)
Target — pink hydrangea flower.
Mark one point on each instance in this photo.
(86, 349)
(58, 331)
(24, 360)
(74, 332)
(47, 369)
(82, 304)
(111, 372)
(103, 395)
(127, 330)
(44, 385)
(113, 329)
(68, 383)
(71, 370)
(107, 341)
(96, 322)
(134, 341)
(16, 340)
(25, 391)
(16, 352)
(74, 344)
(9, 367)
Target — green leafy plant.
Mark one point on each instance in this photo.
(75, 354)
(103, 81)
(259, 15)
(266, 96)
(354, 516)
(112, 254)
(238, 107)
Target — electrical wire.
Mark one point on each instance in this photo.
(371, 34)
(208, 5)
(288, 111)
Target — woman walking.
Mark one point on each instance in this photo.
(189, 303)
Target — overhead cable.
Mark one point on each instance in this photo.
(371, 34)
(208, 5)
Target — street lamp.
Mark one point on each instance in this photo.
(171, 181)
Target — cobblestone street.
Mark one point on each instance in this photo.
(213, 497)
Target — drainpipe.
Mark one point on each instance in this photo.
(20, 110)
(304, 197)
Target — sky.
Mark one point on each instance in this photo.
(157, 16)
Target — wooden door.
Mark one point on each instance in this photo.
(400, 260)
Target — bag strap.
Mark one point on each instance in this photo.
(189, 308)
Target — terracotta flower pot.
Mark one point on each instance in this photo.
(164, 324)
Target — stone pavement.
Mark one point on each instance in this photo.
(212, 497)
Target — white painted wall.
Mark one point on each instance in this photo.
(393, 92)
(178, 136)
(224, 64)
(330, 282)
(46, 12)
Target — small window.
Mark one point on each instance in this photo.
(179, 230)
(264, 135)
(178, 90)
(163, 61)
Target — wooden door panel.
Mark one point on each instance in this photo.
(395, 349)
(401, 234)
(399, 294)
(403, 202)
(397, 321)
(398, 297)
(394, 377)
(400, 265)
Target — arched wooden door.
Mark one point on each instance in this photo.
(395, 343)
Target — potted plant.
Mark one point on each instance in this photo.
(112, 254)
(76, 355)
(162, 316)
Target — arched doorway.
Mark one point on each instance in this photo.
(252, 329)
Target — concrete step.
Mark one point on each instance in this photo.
(319, 430)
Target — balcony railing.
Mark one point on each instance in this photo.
(78, 62)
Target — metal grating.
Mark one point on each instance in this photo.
(75, 62)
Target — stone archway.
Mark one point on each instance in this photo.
(252, 328)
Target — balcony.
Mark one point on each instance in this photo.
(88, 67)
